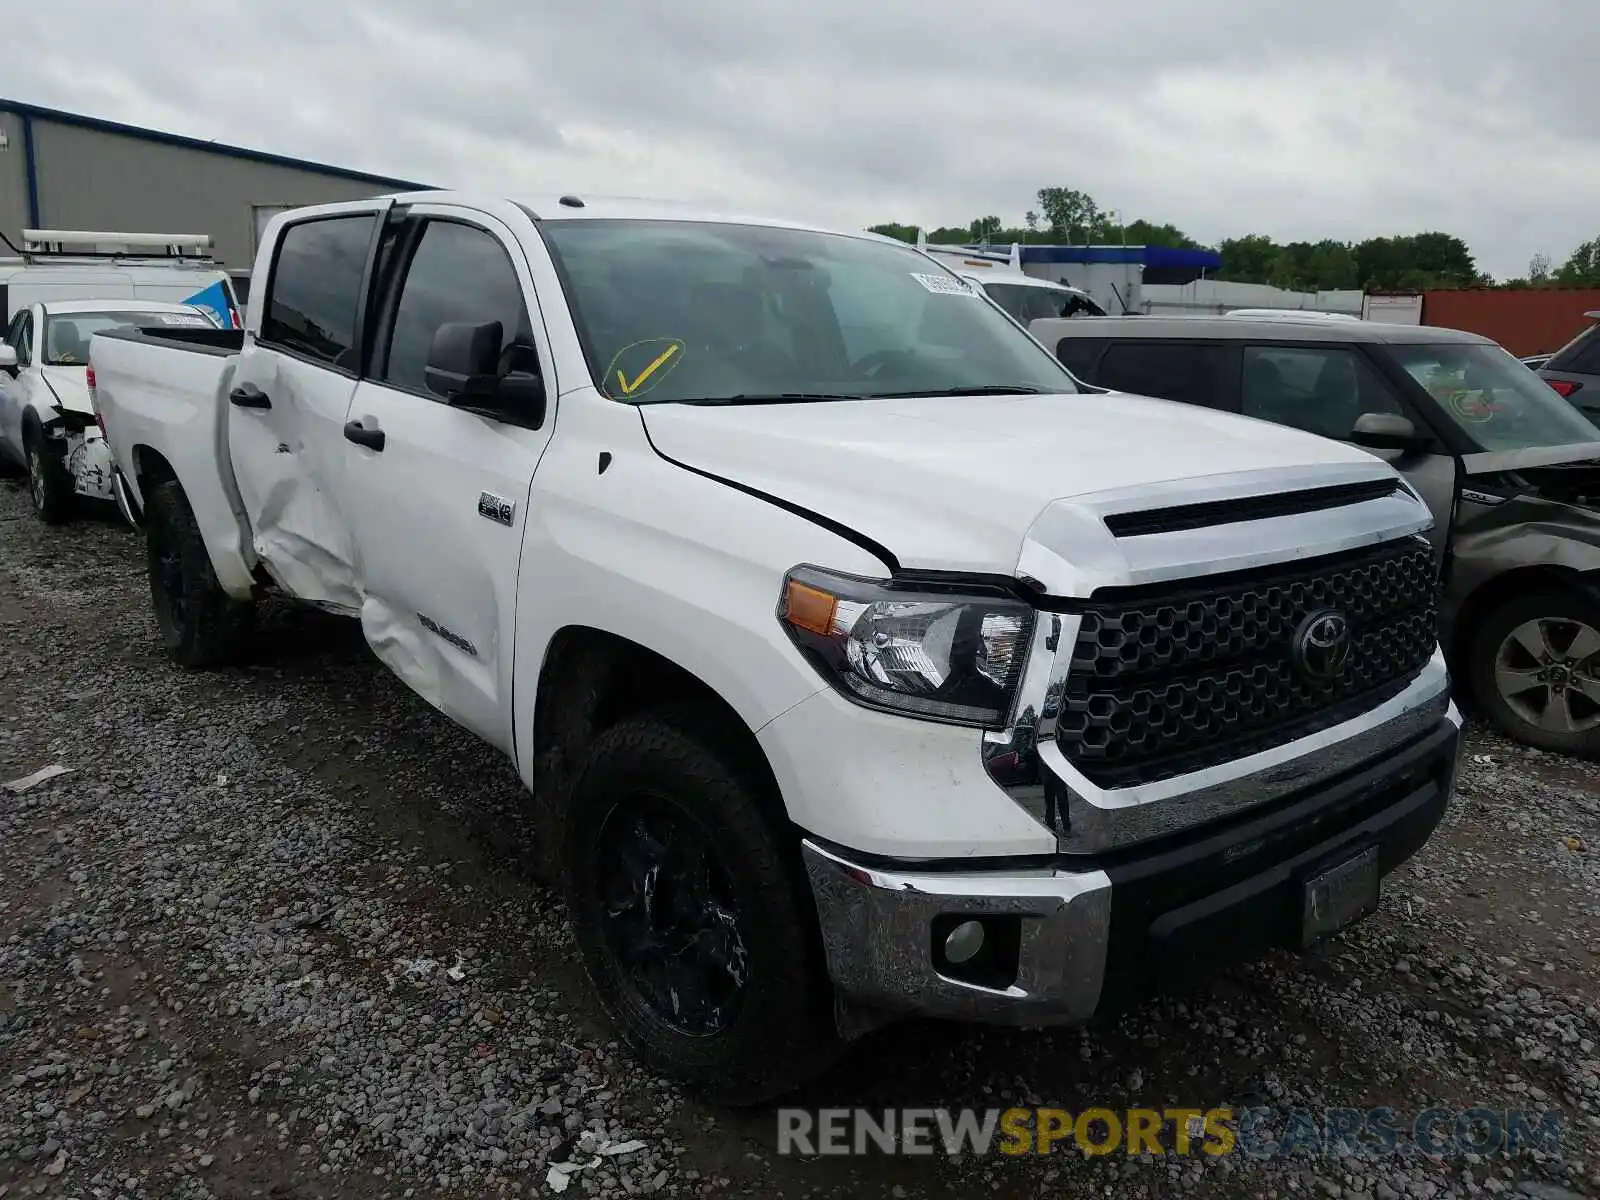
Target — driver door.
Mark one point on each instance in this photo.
(1323, 388)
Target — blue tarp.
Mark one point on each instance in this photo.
(214, 300)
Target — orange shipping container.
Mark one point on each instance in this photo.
(1525, 321)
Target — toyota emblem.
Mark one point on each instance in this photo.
(1322, 645)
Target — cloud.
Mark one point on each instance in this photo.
(1301, 121)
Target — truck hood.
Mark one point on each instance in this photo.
(71, 388)
(954, 483)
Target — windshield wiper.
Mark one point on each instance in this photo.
(775, 398)
(977, 389)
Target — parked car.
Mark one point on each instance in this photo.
(1000, 277)
(47, 418)
(856, 667)
(1511, 473)
(55, 265)
(1574, 370)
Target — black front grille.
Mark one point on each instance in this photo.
(1166, 681)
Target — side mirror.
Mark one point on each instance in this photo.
(1388, 431)
(467, 367)
(464, 360)
(8, 359)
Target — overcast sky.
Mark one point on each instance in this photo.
(1296, 118)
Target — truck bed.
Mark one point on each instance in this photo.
(162, 393)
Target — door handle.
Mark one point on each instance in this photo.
(248, 395)
(355, 431)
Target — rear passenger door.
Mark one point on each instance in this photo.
(1323, 389)
(439, 494)
(289, 398)
(1192, 372)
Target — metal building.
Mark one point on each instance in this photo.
(59, 170)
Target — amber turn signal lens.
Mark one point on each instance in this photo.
(809, 608)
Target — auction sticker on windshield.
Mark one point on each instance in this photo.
(640, 366)
(944, 285)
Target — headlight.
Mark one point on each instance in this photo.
(921, 650)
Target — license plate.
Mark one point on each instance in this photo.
(1339, 896)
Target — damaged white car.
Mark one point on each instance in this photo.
(48, 425)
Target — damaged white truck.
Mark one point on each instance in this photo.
(857, 664)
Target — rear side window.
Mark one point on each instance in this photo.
(1079, 355)
(1190, 372)
(1581, 354)
(314, 297)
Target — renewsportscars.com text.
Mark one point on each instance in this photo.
(1253, 1132)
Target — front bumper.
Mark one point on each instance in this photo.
(1080, 937)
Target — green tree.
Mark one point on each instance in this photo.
(902, 233)
(1248, 259)
(1539, 268)
(1583, 267)
(1146, 233)
(984, 229)
(1073, 215)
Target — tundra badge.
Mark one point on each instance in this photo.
(496, 508)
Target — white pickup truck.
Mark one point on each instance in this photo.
(855, 664)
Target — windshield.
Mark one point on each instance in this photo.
(1028, 302)
(66, 337)
(699, 311)
(1496, 401)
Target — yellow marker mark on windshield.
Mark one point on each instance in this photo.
(648, 371)
(629, 388)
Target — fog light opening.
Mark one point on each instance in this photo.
(984, 951)
(963, 942)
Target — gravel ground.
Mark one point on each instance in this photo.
(274, 936)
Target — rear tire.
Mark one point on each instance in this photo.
(1536, 670)
(692, 915)
(201, 625)
(49, 484)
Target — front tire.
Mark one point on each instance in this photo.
(1536, 670)
(49, 484)
(201, 625)
(692, 914)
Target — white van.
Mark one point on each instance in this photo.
(1001, 278)
(56, 264)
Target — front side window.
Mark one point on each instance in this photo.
(1029, 302)
(1321, 389)
(722, 313)
(66, 335)
(314, 297)
(1190, 372)
(458, 273)
(1494, 399)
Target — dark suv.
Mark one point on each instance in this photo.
(1574, 370)
(1510, 470)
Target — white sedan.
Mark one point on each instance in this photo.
(48, 424)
